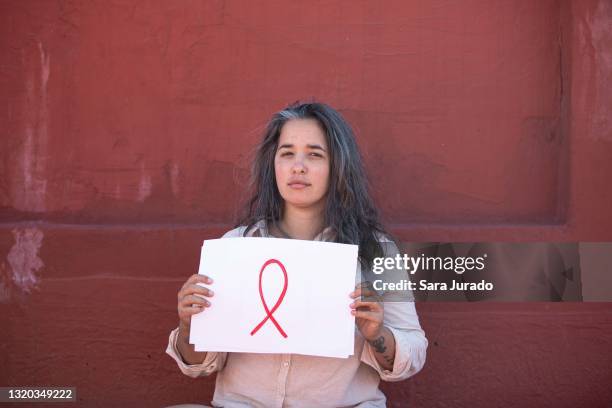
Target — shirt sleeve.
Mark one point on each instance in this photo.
(214, 361)
(410, 343)
(401, 318)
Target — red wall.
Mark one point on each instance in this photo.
(126, 130)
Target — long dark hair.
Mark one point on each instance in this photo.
(349, 210)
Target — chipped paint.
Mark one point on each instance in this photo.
(601, 38)
(145, 186)
(29, 195)
(174, 174)
(23, 259)
(45, 69)
(5, 289)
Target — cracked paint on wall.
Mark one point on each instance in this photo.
(174, 179)
(145, 185)
(23, 262)
(601, 40)
(30, 184)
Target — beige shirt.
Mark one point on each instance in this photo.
(294, 380)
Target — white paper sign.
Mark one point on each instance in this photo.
(312, 316)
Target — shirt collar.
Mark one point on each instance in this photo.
(261, 226)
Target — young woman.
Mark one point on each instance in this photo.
(309, 183)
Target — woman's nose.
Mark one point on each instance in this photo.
(298, 167)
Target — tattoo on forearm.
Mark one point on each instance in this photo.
(379, 345)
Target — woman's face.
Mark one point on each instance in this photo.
(301, 164)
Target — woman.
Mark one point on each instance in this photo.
(309, 183)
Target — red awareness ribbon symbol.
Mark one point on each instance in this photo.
(269, 312)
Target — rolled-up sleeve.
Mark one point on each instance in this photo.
(401, 318)
(214, 361)
(410, 343)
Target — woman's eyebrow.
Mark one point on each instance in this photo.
(286, 146)
(310, 146)
(315, 146)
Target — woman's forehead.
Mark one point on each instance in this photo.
(301, 132)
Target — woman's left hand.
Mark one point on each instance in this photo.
(369, 313)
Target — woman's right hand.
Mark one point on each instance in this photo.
(191, 299)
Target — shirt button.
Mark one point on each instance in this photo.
(286, 364)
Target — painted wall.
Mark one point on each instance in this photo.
(126, 130)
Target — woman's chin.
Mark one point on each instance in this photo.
(302, 203)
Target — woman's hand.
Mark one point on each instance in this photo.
(369, 312)
(191, 299)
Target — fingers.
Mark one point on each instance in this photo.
(194, 300)
(195, 278)
(192, 297)
(190, 305)
(367, 306)
(372, 316)
(366, 291)
(356, 293)
(361, 309)
(195, 287)
(188, 310)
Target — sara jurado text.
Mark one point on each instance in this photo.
(412, 264)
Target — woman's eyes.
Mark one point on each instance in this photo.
(313, 154)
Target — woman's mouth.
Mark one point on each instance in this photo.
(298, 185)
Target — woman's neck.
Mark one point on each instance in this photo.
(301, 223)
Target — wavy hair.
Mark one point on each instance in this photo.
(349, 209)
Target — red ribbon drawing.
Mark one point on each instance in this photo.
(269, 312)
